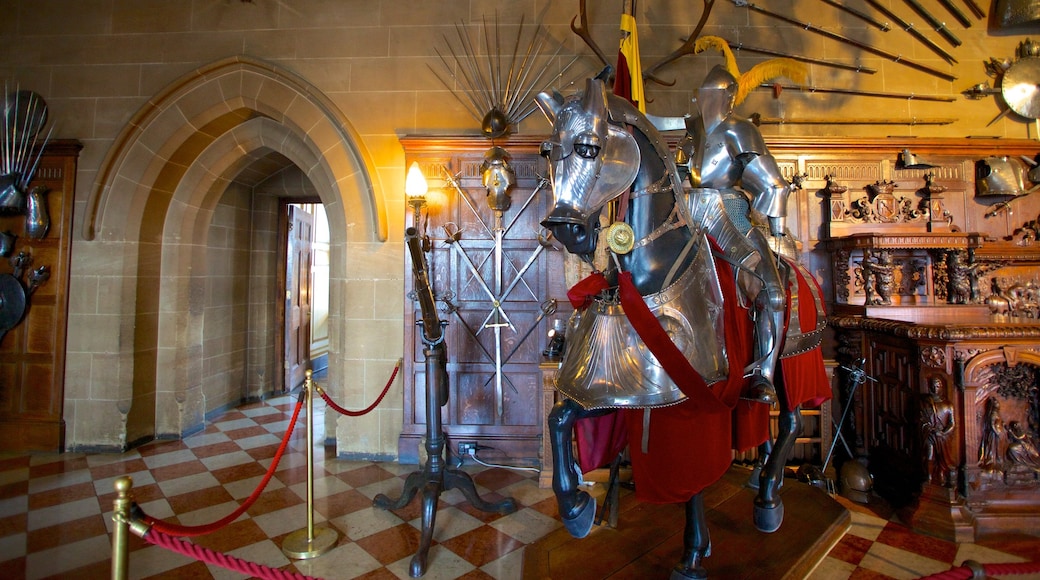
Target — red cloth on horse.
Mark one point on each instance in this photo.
(690, 446)
(685, 452)
(805, 378)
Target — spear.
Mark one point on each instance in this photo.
(934, 22)
(859, 93)
(844, 39)
(909, 28)
(882, 26)
(738, 46)
(758, 119)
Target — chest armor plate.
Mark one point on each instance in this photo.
(607, 365)
(712, 163)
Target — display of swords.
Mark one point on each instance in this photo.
(498, 290)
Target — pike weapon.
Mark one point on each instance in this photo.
(738, 46)
(882, 26)
(975, 9)
(846, 40)
(909, 28)
(956, 12)
(758, 119)
(934, 22)
(859, 93)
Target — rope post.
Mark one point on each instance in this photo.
(121, 528)
(310, 542)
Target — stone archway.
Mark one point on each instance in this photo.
(153, 200)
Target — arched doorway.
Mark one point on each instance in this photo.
(152, 209)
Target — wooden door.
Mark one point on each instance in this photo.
(298, 296)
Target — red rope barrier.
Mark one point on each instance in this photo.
(325, 397)
(967, 571)
(185, 531)
(232, 563)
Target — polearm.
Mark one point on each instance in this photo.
(859, 93)
(882, 26)
(975, 9)
(956, 12)
(861, 45)
(738, 46)
(759, 120)
(909, 28)
(934, 22)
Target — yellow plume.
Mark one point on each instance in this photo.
(766, 71)
(705, 42)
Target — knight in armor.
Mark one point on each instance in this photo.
(740, 197)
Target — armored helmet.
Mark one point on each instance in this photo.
(856, 481)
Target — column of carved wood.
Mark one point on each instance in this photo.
(32, 354)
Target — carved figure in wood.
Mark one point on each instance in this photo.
(992, 436)
(1022, 450)
(963, 276)
(937, 426)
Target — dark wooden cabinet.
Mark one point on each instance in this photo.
(32, 354)
(463, 276)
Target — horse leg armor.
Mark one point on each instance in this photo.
(577, 508)
(696, 543)
(769, 507)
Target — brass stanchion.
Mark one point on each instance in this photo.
(121, 528)
(310, 542)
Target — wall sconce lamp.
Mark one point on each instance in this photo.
(415, 189)
(908, 160)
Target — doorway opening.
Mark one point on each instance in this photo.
(303, 277)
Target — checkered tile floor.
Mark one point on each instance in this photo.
(55, 513)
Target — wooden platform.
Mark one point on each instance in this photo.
(648, 539)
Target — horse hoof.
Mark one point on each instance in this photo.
(681, 572)
(580, 524)
(768, 519)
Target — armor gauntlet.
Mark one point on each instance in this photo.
(769, 191)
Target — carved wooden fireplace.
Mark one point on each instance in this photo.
(940, 285)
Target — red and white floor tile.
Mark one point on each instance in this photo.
(55, 513)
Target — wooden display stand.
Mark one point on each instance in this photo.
(32, 354)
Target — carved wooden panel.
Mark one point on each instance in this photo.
(467, 283)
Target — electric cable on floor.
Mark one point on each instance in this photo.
(473, 455)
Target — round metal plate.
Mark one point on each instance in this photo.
(12, 302)
(1021, 87)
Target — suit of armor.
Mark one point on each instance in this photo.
(726, 161)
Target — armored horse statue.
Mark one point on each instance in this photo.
(662, 334)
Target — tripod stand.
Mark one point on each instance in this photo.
(434, 477)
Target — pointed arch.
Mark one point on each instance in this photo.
(149, 211)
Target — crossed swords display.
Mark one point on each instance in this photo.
(497, 318)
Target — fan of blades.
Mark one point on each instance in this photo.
(24, 115)
(494, 85)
